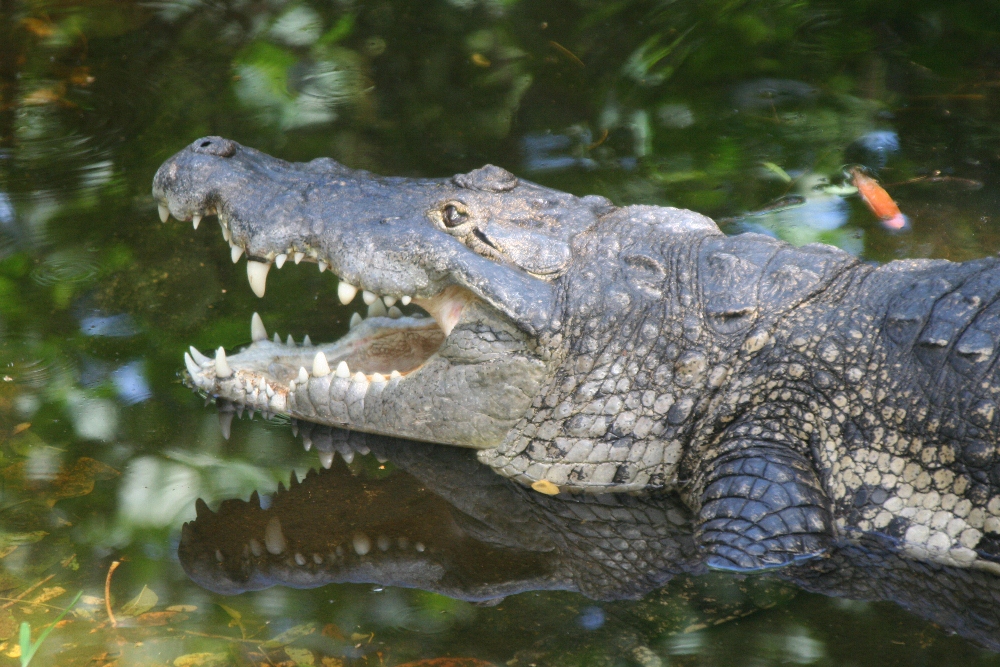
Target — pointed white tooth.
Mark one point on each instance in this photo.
(346, 292)
(306, 442)
(377, 309)
(274, 538)
(198, 356)
(226, 423)
(360, 377)
(196, 220)
(342, 370)
(348, 457)
(395, 375)
(325, 459)
(225, 232)
(395, 313)
(378, 377)
(164, 212)
(419, 546)
(368, 297)
(406, 300)
(320, 366)
(362, 544)
(279, 261)
(290, 342)
(322, 266)
(277, 338)
(193, 368)
(298, 257)
(222, 369)
(355, 320)
(303, 377)
(257, 275)
(257, 330)
(306, 342)
(235, 253)
(389, 301)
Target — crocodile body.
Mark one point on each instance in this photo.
(790, 396)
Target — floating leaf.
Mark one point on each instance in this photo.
(141, 603)
(301, 656)
(8, 626)
(182, 607)
(201, 660)
(47, 594)
(448, 662)
(290, 635)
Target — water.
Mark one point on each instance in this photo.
(719, 106)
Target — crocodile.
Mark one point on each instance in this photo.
(439, 522)
(790, 395)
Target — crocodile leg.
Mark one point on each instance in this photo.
(761, 505)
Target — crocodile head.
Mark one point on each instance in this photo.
(501, 265)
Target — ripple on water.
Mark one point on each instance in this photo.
(29, 363)
(66, 266)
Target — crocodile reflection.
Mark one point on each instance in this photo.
(446, 524)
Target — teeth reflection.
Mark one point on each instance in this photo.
(164, 212)
(383, 543)
(274, 539)
(377, 309)
(317, 559)
(277, 338)
(226, 422)
(362, 544)
(306, 342)
(346, 292)
(218, 555)
(325, 459)
(419, 546)
(257, 330)
(290, 342)
(300, 559)
(222, 369)
(255, 547)
(257, 275)
(395, 313)
(355, 320)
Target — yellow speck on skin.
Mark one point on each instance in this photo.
(546, 487)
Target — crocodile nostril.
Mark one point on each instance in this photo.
(214, 146)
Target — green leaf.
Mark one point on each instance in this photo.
(141, 603)
(290, 635)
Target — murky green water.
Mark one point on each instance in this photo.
(722, 106)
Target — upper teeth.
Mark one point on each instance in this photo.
(257, 275)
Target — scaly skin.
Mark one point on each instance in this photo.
(790, 395)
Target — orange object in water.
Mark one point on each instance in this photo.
(878, 200)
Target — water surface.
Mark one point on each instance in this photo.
(747, 112)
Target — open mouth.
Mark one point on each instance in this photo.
(399, 336)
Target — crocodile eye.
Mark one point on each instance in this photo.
(452, 216)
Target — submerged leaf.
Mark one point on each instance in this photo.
(141, 603)
(301, 656)
(290, 635)
(448, 662)
(201, 660)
